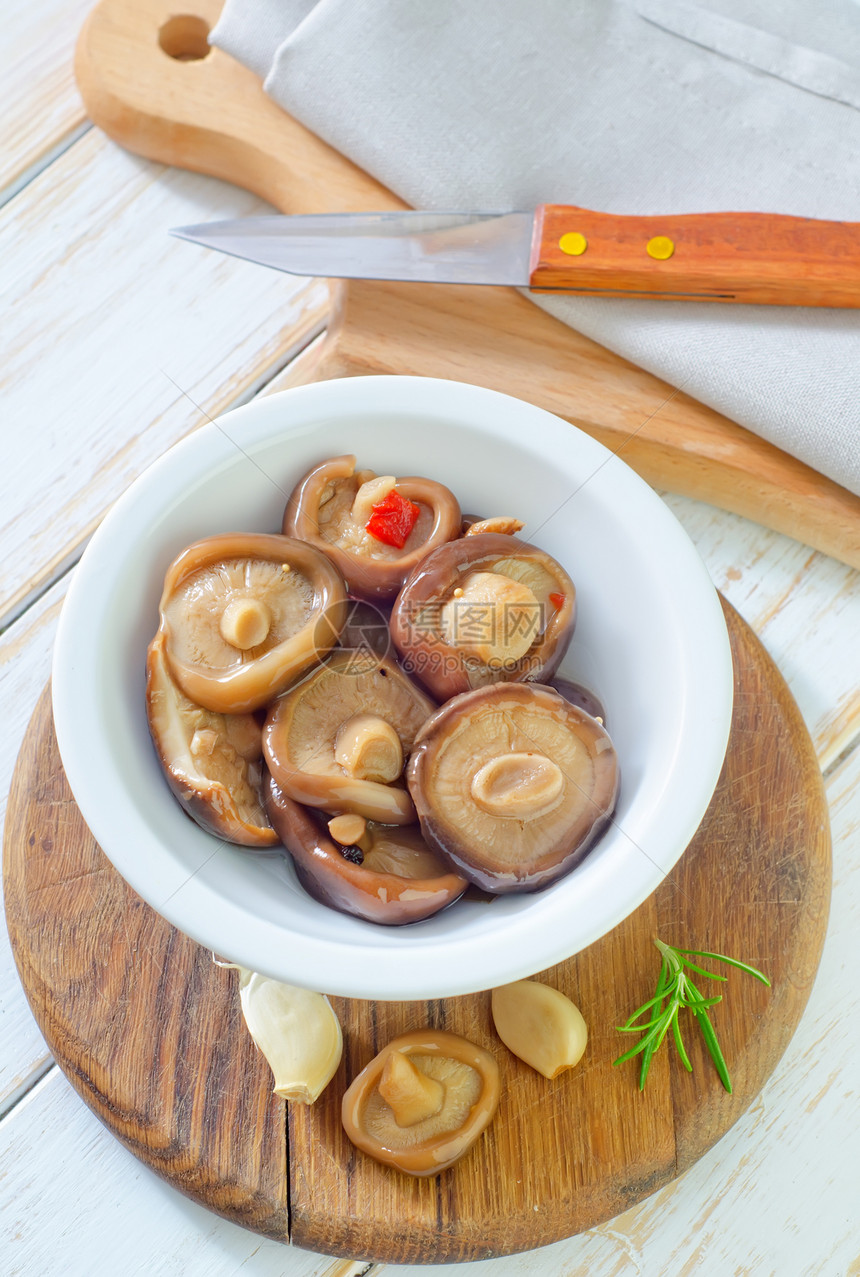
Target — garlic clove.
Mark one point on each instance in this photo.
(296, 1030)
(540, 1025)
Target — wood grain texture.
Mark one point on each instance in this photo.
(42, 109)
(143, 1023)
(117, 344)
(173, 111)
(148, 1030)
(76, 1203)
(767, 259)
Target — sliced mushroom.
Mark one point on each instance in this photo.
(332, 506)
(512, 784)
(338, 740)
(244, 615)
(212, 761)
(382, 873)
(483, 609)
(506, 524)
(422, 1102)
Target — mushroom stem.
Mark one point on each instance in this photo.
(368, 748)
(411, 1095)
(245, 623)
(505, 524)
(492, 616)
(521, 786)
(350, 830)
(370, 494)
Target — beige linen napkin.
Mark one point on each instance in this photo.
(646, 106)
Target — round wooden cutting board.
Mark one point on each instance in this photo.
(149, 1031)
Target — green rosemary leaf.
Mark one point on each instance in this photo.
(711, 975)
(701, 1003)
(658, 1030)
(733, 962)
(662, 985)
(679, 1043)
(631, 1023)
(707, 1030)
(676, 990)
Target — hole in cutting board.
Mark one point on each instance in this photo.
(185, 38)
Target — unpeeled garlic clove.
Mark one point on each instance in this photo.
(540, 1025)
(297, 1031)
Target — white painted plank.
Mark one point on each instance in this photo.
(104, 312)
(804, 606)
(75, 1202)
(42, 110)
(778, 1195)
(25, 665)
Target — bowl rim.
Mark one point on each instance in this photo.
(472, 965)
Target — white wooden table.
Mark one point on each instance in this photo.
(117, 341)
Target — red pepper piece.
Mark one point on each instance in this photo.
(392, 519)
(557, 600)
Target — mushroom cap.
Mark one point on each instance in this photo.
(242, 585)
(580, 695)
(511, 825)
(319, 511)
(399, 880)
(301, 733)
(440, 636)
(212, 761)
(470, 1079)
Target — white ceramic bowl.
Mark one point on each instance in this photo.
(650, 641)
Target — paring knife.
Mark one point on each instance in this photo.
(763, 258)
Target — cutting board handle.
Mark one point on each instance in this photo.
(150, 80)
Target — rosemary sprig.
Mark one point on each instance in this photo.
(676, 990)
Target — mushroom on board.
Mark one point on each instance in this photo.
(382, 873)
(246, 614)
(485, 608)
(212, 761)
(512, 784)
(422, 1102)
(374, 527)
(339, 739)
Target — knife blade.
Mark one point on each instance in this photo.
(758, 258)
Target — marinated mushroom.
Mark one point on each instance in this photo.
(374, 528)
(244, 615)
(512, 785)
(339, 739)
(579, 695)
(367, 628)
(504, 523)
(485, 608)
(381, 873)
(422, 1102)
(213, 762)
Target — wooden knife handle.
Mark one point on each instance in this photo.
(769, 259)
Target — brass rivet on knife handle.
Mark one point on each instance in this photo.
(761, 258)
